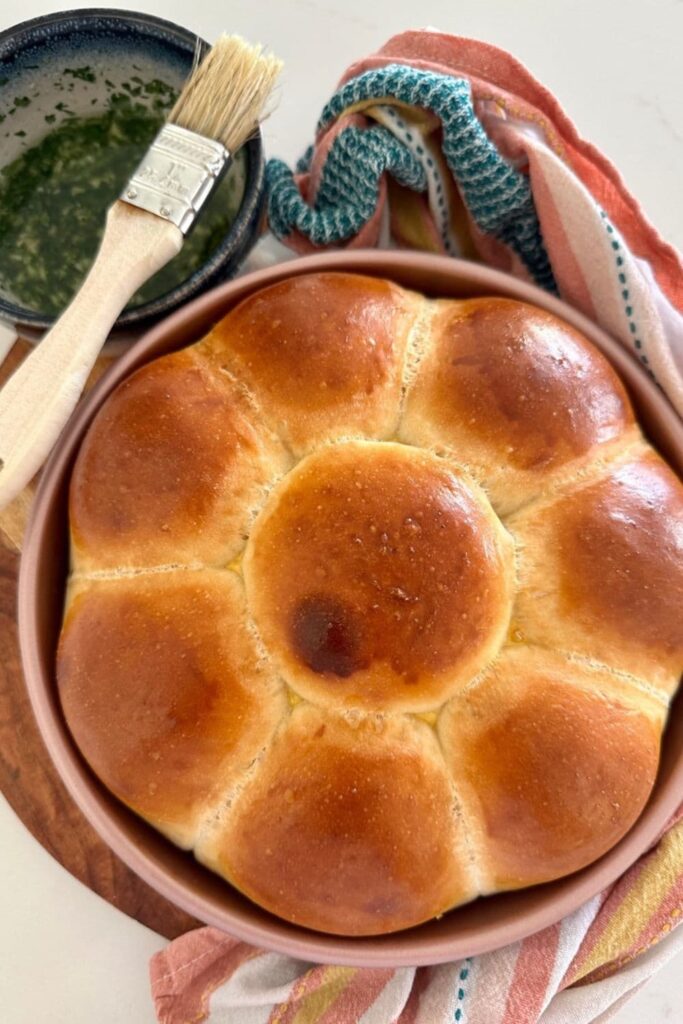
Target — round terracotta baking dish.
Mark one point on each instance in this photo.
(483, 925)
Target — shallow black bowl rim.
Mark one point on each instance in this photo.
(234, 244)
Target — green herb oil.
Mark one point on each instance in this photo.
(54, 196)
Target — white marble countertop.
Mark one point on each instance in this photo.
(66, 955)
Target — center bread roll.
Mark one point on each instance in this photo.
(350, 573)
(373, 601)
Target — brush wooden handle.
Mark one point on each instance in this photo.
(40, 396)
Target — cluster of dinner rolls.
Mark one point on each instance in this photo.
(375, 602)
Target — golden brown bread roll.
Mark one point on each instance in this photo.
(344, 824)
(363, 592)
(375, 601)
(323, 360)
(171, 472)
(552, 759)
(188, 703)
(516, 394)
(601, 569)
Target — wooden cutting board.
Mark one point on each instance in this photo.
(28, 779)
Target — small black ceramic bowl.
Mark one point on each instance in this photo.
(69, 65)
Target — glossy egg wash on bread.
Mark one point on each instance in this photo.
(375, 601)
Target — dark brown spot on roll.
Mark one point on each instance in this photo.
(326, 635)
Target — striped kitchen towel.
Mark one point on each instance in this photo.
(450, 145)
(578, 971)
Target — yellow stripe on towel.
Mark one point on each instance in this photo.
(335, 980)
(640, 905)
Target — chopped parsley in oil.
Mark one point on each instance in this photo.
(86, 74)
(54, 196)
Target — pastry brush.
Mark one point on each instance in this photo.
(218, 109)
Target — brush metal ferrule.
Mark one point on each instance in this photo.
(177, 175)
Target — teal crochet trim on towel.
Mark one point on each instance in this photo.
(497, 195)
(349, 187)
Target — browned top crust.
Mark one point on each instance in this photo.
(171, 470)
(379, 577)
(608, 559)
(322, 354)
(515, 393)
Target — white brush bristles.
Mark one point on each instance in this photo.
(225, 96)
